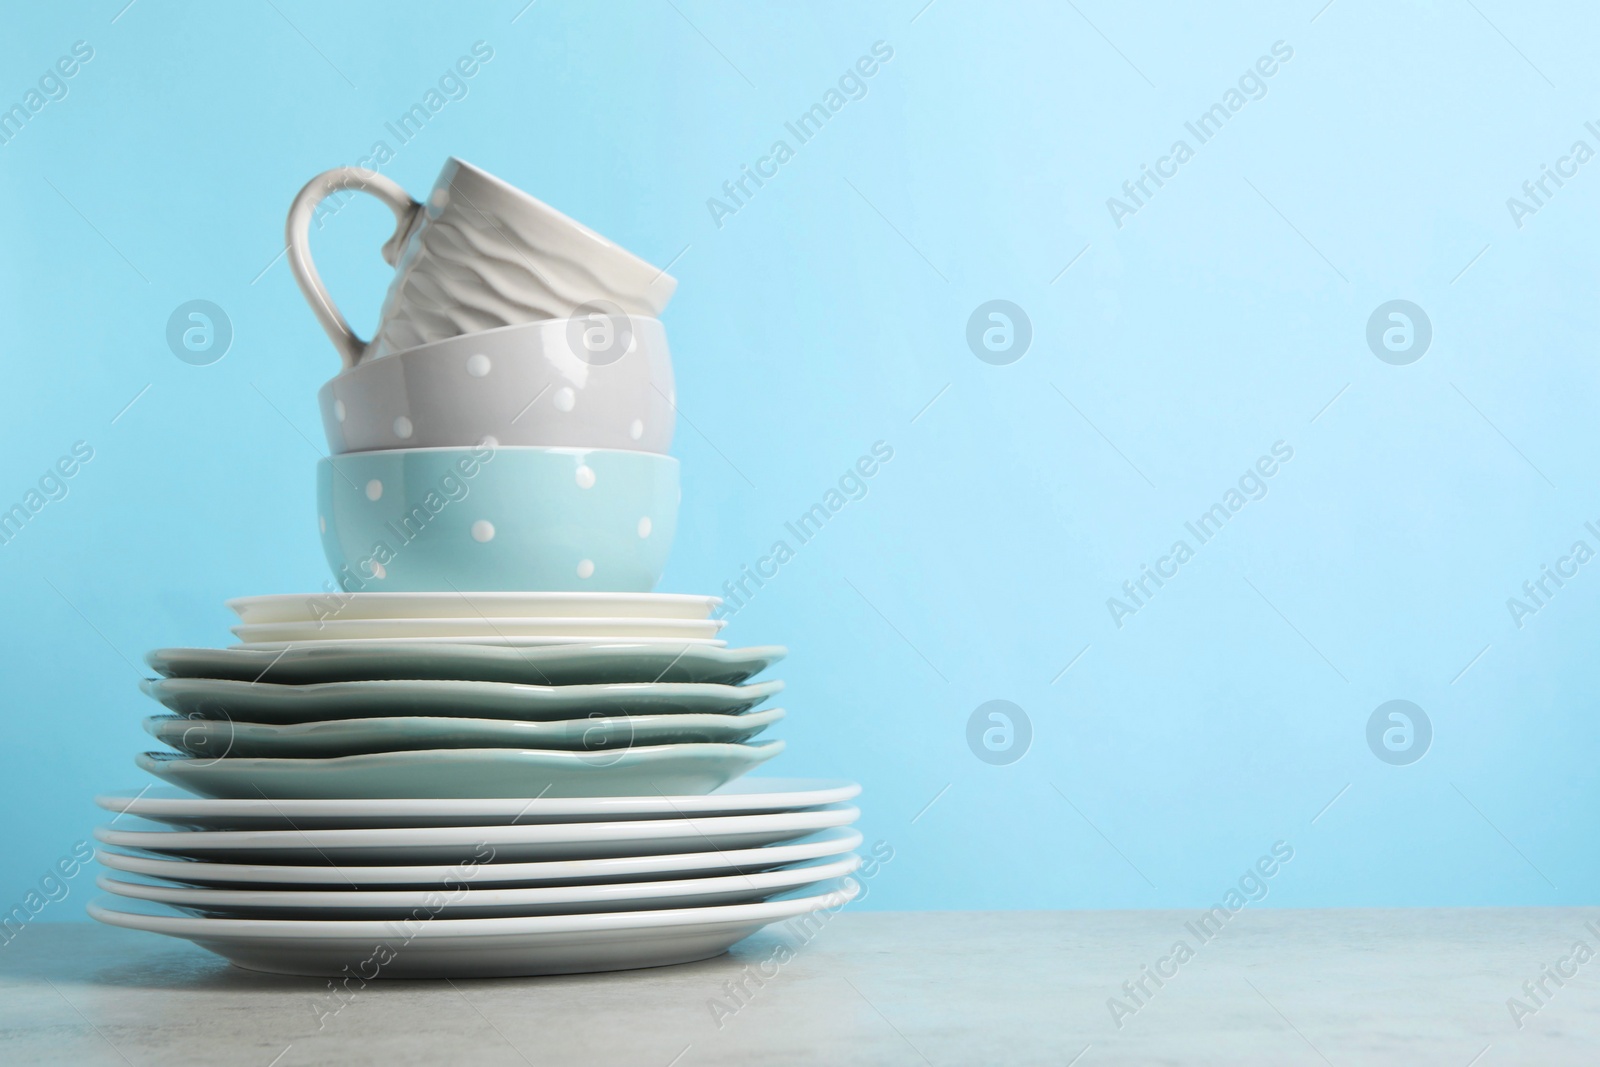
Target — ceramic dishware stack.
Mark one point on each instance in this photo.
(488, 748)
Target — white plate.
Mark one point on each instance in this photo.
(477, 948)
(748, 796)
(484, 844)
(310, 607)
(493, 642)
(460, 897)
(614, 869)
(455, 629)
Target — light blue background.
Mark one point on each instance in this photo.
(825, 316)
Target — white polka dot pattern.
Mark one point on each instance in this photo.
(540, 395)
(553, 519)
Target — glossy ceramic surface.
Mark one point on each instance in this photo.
(479, 948)
(501, 642)
(551, 872)
(589, 629)
(469, 772)
(600, 662)
(446, 519)
(479, 844)
(598, 382)
(747, 796)
(265, 702)
(218, 738)
(316, 607)
(478, 254)
(615, 869)
(463, 898)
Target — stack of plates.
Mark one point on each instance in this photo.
(481, 784)
(514, 619)
(476, 888)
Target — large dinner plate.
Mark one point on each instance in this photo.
(607, 869)
(468, 772)
(313, 607)
(225, 698)
(481, 844)
(461, 898)
(748, 796)
(481, 948)
(215, 738)
(571, 664)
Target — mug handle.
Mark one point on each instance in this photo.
(298, 239)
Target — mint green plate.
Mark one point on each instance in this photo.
(693, 769)
(217, 738)
(223, 698)
(575, 664)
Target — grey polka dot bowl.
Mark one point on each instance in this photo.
(518, 519)
(601, 380)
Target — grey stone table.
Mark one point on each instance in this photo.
(1437, 986)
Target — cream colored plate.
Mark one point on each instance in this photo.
(312, 607)
(341, 629)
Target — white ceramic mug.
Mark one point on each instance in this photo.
(479, 254)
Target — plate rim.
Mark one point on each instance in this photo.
(508, 621)
(489, 641)
(723, 654)
(548, 833)
(482, 807)
(821, 869)
(442, 929)
(691, 719)
(646, 753)
(285, 688)
(838, 840)
(533, 595)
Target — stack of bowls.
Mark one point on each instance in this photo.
(528, 457)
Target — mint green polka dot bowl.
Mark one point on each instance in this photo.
(497, 518)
